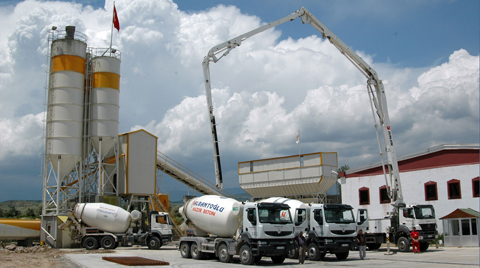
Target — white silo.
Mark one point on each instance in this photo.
(105, 103)
(65, 102)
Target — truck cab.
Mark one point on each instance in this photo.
(397, 227)
(332, 230)
(161, 226)
(268, 230)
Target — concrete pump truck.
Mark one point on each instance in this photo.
(403, 217)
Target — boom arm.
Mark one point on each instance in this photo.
(377, 94)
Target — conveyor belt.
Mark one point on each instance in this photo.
(187, 177)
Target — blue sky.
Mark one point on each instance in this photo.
(275, 84)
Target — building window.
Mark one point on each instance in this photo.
(474, 226)
(251, 166)
(384, 195)
(455, 227)
(431, 191)
(454, 189)
(364, 196)
(475, 186)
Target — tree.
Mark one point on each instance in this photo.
(30, 213)
(12, 212)
(339, 186)
(1, 213)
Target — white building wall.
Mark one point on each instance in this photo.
(414, 190)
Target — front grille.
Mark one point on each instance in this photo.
(428, 227)
(342, 232)
(270, 233)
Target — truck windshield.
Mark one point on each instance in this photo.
(274, 215)
(339, 215)
(424, 212)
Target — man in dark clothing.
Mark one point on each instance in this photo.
(362, 244)
(301, 248)
(415, 240)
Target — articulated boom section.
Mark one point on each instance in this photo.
(376, 96)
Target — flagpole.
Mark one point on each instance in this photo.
(111, 32)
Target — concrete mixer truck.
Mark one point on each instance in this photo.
(107, 226)
(224, 227)
(329, 228)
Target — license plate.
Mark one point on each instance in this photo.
(345, 245)
(282, 247)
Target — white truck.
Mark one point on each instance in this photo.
(397, 227)
(329, 228)
(224, 227)
(107, 226)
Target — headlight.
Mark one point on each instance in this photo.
(262, 242)
(328, 241)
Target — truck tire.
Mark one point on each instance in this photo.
(292, 253)
(107, 242)
(154, 242)
(185, 250)
(313, 252)
(403, 244)
(374, 246)
(278, 259)
(223, 255)
(424, 246)
(246, 256)
(90, 243)
(342, 255)
(195, 252)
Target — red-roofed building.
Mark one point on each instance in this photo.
(445, 176)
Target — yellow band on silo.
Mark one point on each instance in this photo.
(110, 80)
(68, 63)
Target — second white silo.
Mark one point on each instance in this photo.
(105, 103)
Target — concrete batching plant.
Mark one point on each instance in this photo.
(81, 139)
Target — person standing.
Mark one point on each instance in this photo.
(301, 248)
(415, 240)
(362, 244)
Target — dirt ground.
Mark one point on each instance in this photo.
(12, 256)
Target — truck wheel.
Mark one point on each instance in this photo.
(246, 256)
(374, 246)
(195, 252)
(278, 259)
(342, 255)
(313, 252)
(107, 242)
(90, 243)
(403, 244)
(292, 253)
(223, 255)
(185, 250)
(154, 243)
(424, 246)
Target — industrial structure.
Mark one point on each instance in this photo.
(306, 177)
(86, 160)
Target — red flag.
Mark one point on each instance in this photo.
(116, 23)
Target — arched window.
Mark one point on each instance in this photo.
(383, 193)
(364, 196)
(454, 191)
(475, 187)
(431, 192)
